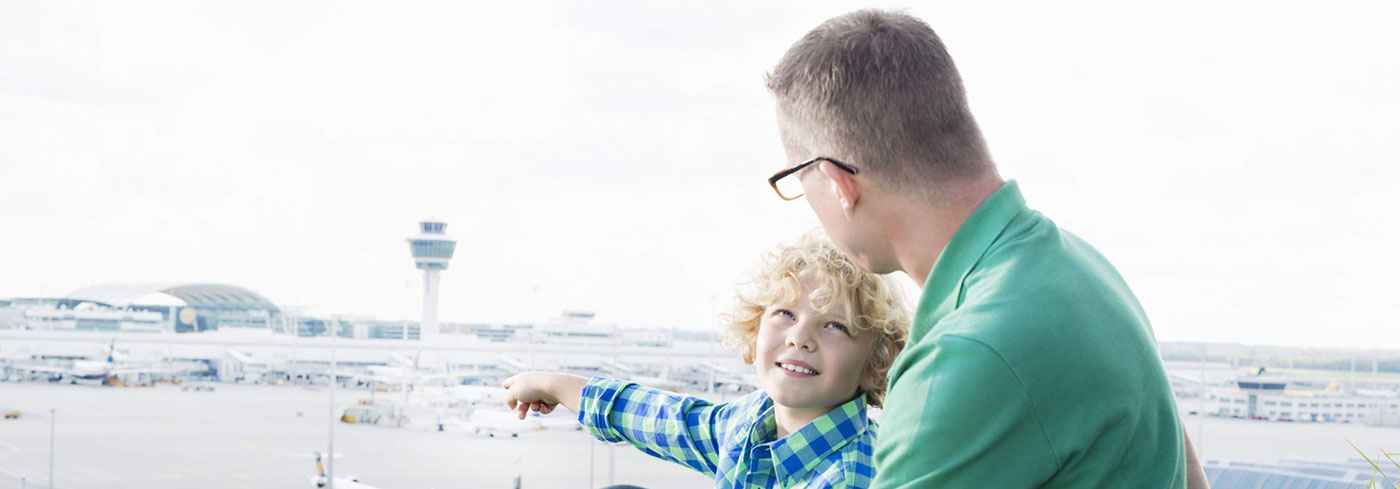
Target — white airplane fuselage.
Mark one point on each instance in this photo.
(90, 370)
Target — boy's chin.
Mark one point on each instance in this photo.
(797, 400)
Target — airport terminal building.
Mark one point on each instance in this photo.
(204, 307)
(207, 307)
(241, 334)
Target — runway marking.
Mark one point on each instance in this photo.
(32, 478)
(12, 448)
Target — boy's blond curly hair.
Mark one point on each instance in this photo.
(874, 302)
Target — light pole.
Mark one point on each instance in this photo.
(52, 424)
(330, 434)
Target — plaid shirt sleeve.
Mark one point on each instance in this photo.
(685, 430)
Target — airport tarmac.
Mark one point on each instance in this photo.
(1245, 440)
(263, 437)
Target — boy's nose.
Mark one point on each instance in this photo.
(799, 337)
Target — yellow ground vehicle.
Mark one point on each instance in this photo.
(380, 415)
(12, 415)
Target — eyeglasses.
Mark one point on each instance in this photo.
(791, 188)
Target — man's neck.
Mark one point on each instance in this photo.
(923, 230)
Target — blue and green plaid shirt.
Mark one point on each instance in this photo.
(735, 443)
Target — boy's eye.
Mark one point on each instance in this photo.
(839, 327)
(785, 313)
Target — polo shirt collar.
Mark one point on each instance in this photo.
(963, 252)
(795, 456)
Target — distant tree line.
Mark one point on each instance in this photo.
(1385, 361)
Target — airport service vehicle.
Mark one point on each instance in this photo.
(320, 479)
(373, 414)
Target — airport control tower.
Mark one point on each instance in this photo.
(432, 249)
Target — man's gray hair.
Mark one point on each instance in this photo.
(878, 88)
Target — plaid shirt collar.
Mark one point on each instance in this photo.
(795, 456)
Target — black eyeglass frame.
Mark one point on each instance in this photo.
(773, 180)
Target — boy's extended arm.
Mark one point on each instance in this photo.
(682, 429)
(669, 426)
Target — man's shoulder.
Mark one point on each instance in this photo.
(1036, 259)
(1039, 287)
(1044, 319)
(1044, 304)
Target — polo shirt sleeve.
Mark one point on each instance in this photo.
(681, 429)
(957, 416)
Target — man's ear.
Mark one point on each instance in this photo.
(847, 188)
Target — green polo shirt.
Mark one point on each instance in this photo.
(1030, 364)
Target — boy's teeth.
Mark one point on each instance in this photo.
(798, 369)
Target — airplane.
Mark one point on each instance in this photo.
(320, 480)
(477, 395)
(405, 373)
(101, 372)
(1330, 390)
(493, 422)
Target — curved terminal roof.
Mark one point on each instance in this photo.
(203, 296)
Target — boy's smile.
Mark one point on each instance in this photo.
(796, 368)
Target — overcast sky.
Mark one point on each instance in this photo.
(1236, 161)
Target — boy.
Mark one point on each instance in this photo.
(821, 333)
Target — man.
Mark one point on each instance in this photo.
(1030, 362)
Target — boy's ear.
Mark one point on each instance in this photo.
(871, 380)
(845, 184)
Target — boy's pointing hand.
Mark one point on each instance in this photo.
(542, 391)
